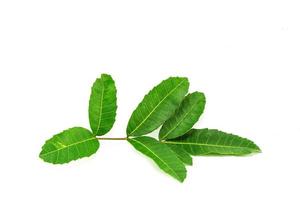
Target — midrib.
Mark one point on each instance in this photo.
(67, 146)
(204, 144)
(158, 158)
(179, 121)
(100, 110)
(156, 107)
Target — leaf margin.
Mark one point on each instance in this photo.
(246, 150)
(184, 156)
(148, 96)
(105, 82)
(176, 175)
(186, 110)
(65, 133)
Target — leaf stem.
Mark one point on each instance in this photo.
(104, 138)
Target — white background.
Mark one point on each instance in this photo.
(244, 55)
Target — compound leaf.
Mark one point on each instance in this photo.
(157, 106)
(214, 142)
(103, 105)
(71, 144)
(185, 116)
(160, 153)
(184, 156)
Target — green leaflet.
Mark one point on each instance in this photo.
(71, 144)
(157, 106)
(185, 116)
(214, 142)
(166, 105)
(165, 158)
(103, 105)
(181, 154)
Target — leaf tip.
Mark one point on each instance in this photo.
(258, 149)
(182, 179)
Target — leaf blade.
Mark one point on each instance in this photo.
(103, 105)
(214, 142)
(185, 116)
(181, 154)
(161, 155)
(157, 106)
(70, 144)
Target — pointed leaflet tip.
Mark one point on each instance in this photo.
(214, 142)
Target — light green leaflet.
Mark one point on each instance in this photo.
(214, 142)
(103, 105)
(161, 155)
(71, 144)
(157, 106)
(184, 118)
(181, 154)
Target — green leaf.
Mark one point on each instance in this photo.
(214, 142)
(164, 157)
(157, 106)
(181, 154)
(103, 105)
(185, 116)
(71, 144)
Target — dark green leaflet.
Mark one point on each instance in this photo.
(185, 116)
(164, 157)
(71, 144)
(157, 106)
(214, 142)
(181, 154)
(103, 105)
